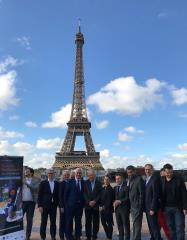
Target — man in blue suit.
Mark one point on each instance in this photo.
(152, 201)
(74, 204)
(62, 186)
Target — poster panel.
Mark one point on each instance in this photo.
(11, 214)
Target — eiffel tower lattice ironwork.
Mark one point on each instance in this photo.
(78, 124)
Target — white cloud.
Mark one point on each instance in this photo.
(22, 147)
(179, 96)
(59, 118)
(7, 83)
(102, 124)
(178, 160)
(124, 137)
(14, 118)
(10, 134)
(37, 160)
(7, 63)
(24, 42)
(31, 124)
(126, 96)
(132, 129)
(5, 147)
(54, 143)
(18, 148)
(114, 161)
(104, 153)
(98, 145)
(182, 146)
(31, 157)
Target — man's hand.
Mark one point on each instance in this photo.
(151, 212)
(41, 210)
(62, 210)
(92, 203)
(185, 211)
(101, 209)
(116, 203)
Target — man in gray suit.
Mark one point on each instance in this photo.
(136, 196)
(29, 197)
(122, 208)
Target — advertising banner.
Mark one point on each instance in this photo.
(11, 214)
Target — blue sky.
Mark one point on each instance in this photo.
(135, 67)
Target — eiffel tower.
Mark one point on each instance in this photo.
(78, 124)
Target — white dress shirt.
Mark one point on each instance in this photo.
(26, 193)
(52, 185)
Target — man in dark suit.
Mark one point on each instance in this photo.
(62, 185)
(106, 207)
(48, 196)
(74, 204)
(174, 202)
(122, 208)
(92, 192)
(152, 201)
(136, 196)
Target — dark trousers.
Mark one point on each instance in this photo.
(28, 209)
(123, 222)
(92, 222)
(62, 224)
(176, 223)
(107, 222)
(154, 228)
(74, 212)
(51, 211)
(136, 224)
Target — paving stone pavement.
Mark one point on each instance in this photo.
(101, 236)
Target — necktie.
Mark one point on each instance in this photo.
(78, 185)
(118, 189)
(92, 184)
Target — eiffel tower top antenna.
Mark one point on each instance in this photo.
(79, 24)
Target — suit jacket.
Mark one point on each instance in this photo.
(123, 196)
(152, 194)
(107, 198)
(33, 186)
(136, 193)
(90, 195)
(62, 186)
(73, 196)
(46, 199)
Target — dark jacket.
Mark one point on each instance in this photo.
(136, 193)
(153, 194)
(94, 195)
(72, 195)
(47, 199)
(123, 196)
(179, 191)
(62, 186)
(107, 198)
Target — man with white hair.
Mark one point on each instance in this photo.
(62, 185)
(74, 204)
(92, 193)
(48, 199)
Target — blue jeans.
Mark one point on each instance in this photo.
(176, 222)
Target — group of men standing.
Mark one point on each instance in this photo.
(163, 199)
